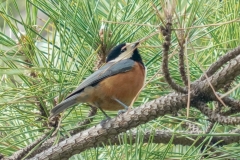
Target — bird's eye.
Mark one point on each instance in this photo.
(123, 50)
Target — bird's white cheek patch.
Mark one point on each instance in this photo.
(122, 56)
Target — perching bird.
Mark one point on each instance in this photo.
(114, 86)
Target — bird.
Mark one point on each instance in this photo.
(114, 86)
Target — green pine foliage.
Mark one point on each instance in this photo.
(48, 47)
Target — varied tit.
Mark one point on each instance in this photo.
(114, 86)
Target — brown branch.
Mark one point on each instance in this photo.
(181, 42)
(218, 107)
(209, 127)
(230, 102)
(192, 128)
(181, 65)
(219, 79)
(168, 10)
(101, 133)
(166, 32)
(215, 117)
(233, 104)
(227, 86)
(221, 61)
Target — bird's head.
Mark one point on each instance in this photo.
(125, 51)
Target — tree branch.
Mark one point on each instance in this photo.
(166, 32)
(215, 117)
(181, 42)
(232, 103)
(100, 134)
(221, 61)
(218, 80)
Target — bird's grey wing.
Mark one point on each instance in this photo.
(109, 69)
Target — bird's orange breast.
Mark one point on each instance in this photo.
(123, 86)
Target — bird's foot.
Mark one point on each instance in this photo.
(105, 121)
(121, 111)
(107, 117)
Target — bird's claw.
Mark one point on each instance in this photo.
(121, 111)
(105, 121)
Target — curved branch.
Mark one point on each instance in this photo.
(181, 65)
(209, 127)
(219, 79)
(166, 45)
(233, 104)
(230, 102)
(221, 61)
(215, 117)
(102, 133)
(193, 128)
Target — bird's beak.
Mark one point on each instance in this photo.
(134, 45)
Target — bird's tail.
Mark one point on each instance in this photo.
(64, 105)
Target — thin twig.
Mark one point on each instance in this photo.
(188, 83)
